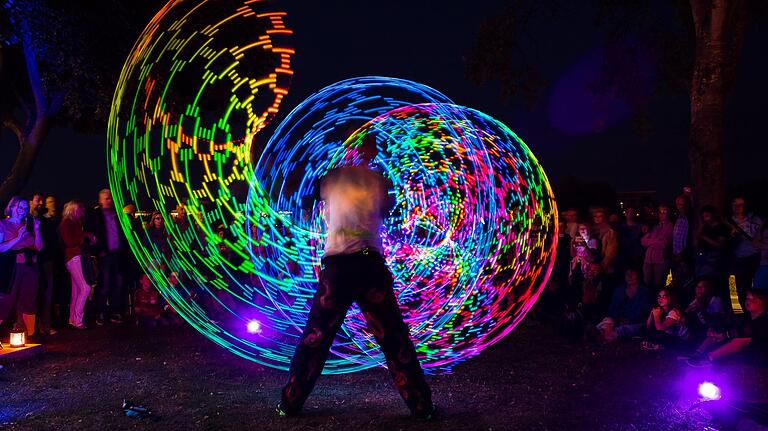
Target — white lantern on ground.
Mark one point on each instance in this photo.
(18, 338)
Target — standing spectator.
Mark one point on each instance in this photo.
(761, 243)
(712, 237)
(614, 220)
(630, 233)
(628, 308)
(157, 235)
(110, 247)
(562, 264)
(657, 245)
(681, 233)
(706, 309)
(682, 249)
(224, 249)
(50, 260)
(130, 267)
(55, 253)
(571, 218)
(746, 257)
(583, 250)
(37, 205)
(607, 239)
(73, 237)
(181, 220)
(133, 220)
(20, 233)
(50, 207)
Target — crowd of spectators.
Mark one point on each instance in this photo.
(69, 267)
(664, 276)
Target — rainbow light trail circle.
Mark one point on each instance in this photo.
(203, 79)
(188, 118)
(470, 242)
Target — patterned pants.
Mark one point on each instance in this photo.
(362, 277)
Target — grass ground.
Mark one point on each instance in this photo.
(530, 381)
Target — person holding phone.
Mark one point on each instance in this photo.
(20, 234)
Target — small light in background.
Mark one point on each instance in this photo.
(254, 327)
(709, 391)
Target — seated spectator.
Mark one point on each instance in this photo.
(628, 308)
(551, 305)
(148, 307)
(666, 325)
(594, 298)
(749, 342)
(169, 315)
(706, 309)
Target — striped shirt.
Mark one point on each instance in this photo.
(680, 235)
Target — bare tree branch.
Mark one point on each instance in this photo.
(29, 116)
(35, 83)
(56, 101)
(14, 127)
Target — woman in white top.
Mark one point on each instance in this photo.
(666, 324)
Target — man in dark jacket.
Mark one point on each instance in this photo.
(110, 248)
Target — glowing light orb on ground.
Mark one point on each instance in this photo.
(470, 242)
(709, 391)
(254, 327)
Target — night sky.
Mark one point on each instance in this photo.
(428, 41)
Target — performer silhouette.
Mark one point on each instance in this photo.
(356, 200)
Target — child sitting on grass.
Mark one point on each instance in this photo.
(148, 306)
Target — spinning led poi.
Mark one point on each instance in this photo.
(470, 242)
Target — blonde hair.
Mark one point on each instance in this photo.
(73, 210)
(12, 204)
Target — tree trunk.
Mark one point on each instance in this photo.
(707, 94)
(25, 160)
